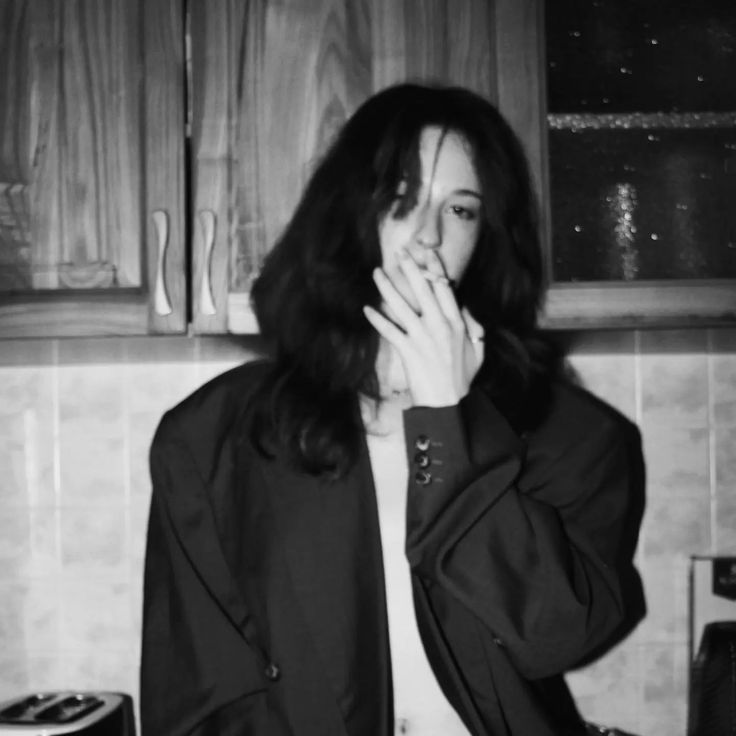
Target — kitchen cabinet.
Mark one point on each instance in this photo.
(91, 167)
(273, 81)
(153, 150)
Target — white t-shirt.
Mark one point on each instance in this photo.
(420, 707)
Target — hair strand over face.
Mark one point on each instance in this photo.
(314, 283)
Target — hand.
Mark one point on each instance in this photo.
(439, 344)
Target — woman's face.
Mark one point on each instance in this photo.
(447, 215)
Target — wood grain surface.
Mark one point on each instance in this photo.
(274, 80)
(91, 142)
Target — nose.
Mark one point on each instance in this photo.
(428, 233)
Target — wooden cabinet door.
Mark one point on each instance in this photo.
(91, 167)
(273, 80)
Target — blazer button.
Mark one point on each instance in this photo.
(272, 671)
(423, 478)
(422, 459)
(422, 443)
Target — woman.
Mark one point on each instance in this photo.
(403, 520)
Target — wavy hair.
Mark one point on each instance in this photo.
(309, 296)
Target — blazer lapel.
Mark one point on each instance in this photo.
(193, 516)
(329, 533)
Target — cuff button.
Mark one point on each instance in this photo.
(422, 459)
(423, 478)
(422, 443)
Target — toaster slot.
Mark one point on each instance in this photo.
(68, 709)
(24, 708)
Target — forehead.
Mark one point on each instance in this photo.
(447, 156)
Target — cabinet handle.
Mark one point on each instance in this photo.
(161, 303)
(206, 301)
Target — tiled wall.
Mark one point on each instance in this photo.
(76, 418)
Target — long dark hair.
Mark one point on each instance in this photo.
(315, 281)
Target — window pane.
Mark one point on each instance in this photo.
(642, 139)
(644, 55)
(634, 203)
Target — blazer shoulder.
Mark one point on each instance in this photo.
(213, 409)
(577, 416)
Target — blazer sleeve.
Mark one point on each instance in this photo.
(536, 566)
(194, 659)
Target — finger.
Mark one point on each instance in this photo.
(419, 284)
(443, 291)
(385, 327)
(398, 307)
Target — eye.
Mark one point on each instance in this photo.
(463, 213)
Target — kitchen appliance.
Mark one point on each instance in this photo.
(68, 712)
(712, 687)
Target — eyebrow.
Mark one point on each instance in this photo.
(467, 193)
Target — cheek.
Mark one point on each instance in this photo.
(391, 238)
(458, 254)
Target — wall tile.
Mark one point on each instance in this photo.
(94, 542)
(724, 389)
(102, 668)
(666, 591)
(27, 436)
(28, 464)
(19, 461)
(725, 439)
(152, 389)
(117, 670)
(92, 469)
(28, 542)
(48, 670)
(674, 378)
(95, 614)
(111, 395)
(675, 390)
(725, 520)
(136, 604)
(610, 377)
(15, 543)
(609, 691)
(45, 558)
(677, 461)
(139, 509)
(91, 400)
(678, 526)
(665, 678)
(141, 428)
(29, 614)
(14, 678)
(23, 389)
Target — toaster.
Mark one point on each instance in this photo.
(69, 712)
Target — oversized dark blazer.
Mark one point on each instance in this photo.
(264, 607)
